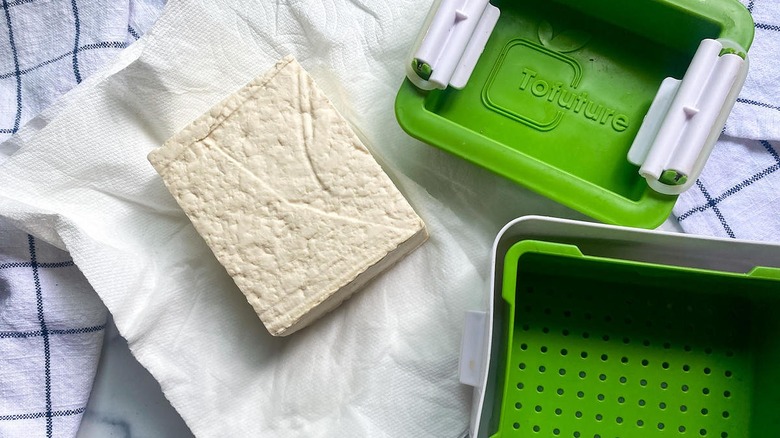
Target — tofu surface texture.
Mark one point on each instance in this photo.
(287, 197)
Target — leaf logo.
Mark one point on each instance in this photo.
(566, 41)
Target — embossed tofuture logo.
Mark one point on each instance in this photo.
(578, 103)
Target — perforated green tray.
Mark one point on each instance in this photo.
(597, 347)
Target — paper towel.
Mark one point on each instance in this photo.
(384, 363)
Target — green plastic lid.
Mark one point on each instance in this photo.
(557, 97)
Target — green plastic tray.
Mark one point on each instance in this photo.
(598, 347)
(511, 117)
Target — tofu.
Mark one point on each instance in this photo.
(287, 198)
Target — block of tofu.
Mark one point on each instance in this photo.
(287, 197)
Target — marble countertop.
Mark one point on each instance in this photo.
(126, 401)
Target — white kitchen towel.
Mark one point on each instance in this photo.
(47, 47)
(51, 330)
(385, 362)
(738, 193)
(51, 321)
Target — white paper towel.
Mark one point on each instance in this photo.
(384, 363)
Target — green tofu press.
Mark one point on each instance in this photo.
(600, 331)
(609, 107)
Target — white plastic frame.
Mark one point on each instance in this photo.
(593, 239)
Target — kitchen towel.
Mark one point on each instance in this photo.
(51, 330)
(738, 193)
(385, 362)
(51, 321)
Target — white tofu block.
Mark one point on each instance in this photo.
(289, 200)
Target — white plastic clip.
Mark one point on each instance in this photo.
(686, 117)
(472, 354)
(454, 39)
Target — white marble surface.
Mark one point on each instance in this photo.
(126, 401)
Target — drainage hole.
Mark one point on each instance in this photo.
(600, 397)
(564, 352)
(623, 379)
(567, 313)
(556, 431)
(662, 405)
(642, 402)
(707, 371)
(646, 342)
(703, 432)
(526, 327)
(604, 357)
(681, 428)
(643, 382)
(665, 365)
(725, 414)
(577, 434)
(582, 374)
(685, 388)
(543, 349)
(728, 373)
(621, 399)
(578, 414)
(626, 340)
(605, 337)
(565, 332)
(640, 423)
(585, 335)
(727, 394)
(562, 372)
(624, 359)
(520, 385)
(667, 345)
(686, 368)
(645, 362)
(522, 365)
(580, 394)
(602, 377)
(584, 354)
(661, 426)
(524, 346)
(540, 388)
(599, 417)
(664, 385)
(518, 405)
(538, 408)
(708, 350)
(683, 408)
(619, 420)
(687, 348)
(724, 434)
(516, 426)
(542, 368)
(705, 411)
(537, 428)
(560, 391)
(545, 330)
(705, 391)
(558, 411)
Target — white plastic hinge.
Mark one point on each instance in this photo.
(452, 44)
(472, 354)
(687, 116)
